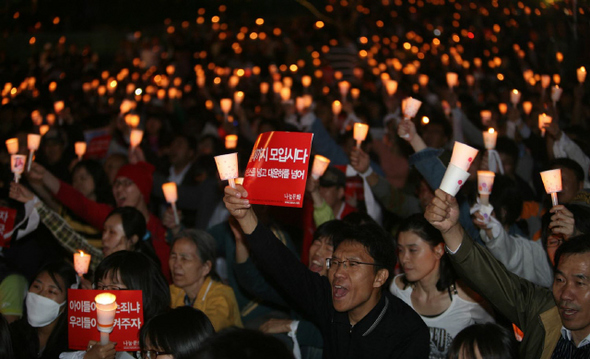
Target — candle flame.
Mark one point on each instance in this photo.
(105, 298)
(82, 254)
(491, 130)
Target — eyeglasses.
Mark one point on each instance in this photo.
(125, 182)
(332, 263)
(152, 354)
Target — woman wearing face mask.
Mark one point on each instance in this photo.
(42, 331)
(125, 270)
(429, 285)
(123, 229)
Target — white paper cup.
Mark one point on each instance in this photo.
(486, 211)
(463, 155)
(360, 131)
(411, 107)
(552, 180)
(453, 179)
(106, 308)
(489, 139)
(485, 182)
(320, 164)
(227, 165)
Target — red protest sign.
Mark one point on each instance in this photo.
(98, 142)
(277, 169)
(82, 323)
(7, 216)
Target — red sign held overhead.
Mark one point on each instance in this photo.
(277, 169)
(7, 216)
(82, 322)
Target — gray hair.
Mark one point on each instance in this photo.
(206, 246)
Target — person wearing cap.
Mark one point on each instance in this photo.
(132, 187)
(330, 203)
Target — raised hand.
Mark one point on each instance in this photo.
(443, 211)
(562, 221)
(359, 160)
(238, 205)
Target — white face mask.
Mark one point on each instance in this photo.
(41, 311)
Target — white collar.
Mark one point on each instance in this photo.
(567, 335)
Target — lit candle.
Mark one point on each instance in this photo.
(581, 72)
(545, 81)
(544, 121)
(319, 166)
(287, 82)
(425, 120)
(489, 138)
(463, 155)
(306, 81)
(307, 100)
(81, 262)
(485, 182)
(80, 148)
(227, 166)
(552, 182)
(231, 141)
(132, 120)
(452, 79)
(556, 92)
(127, 105)
(423, 80)
(355, 93)
(527, 106)
(343, 86)
(135, 137)
(171, 194)
(36, 118)
(503, 108)
(12, 145)
(33, 141)
(225, 104)
(285, 94)
(50, 119)
(410, 107)
(58, 106)
(239, 180)
(336, 107)
(43, 129)
(300, 104)
(17, 165)
(515, 97)
(391, 87)
(360, 133)
(264, 87)
(106, 308)
(238, 97)
(486, 117)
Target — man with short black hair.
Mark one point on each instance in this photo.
(556, 324)
(355, 312)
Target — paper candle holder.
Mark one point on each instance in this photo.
(227, 166)
(33, 141)
(515, 97)
(135, 137)
(411, 107)
(452, 79)
(545, 81)
(485, 182)
(463, 155)
(552, 182)
(225, 104)
(489, 138)
(544, 121)
(343, 87)
(81, 262)
(132, 120)
(486, 117)
(12, 145)
(453, 179)
(306, 81)
(581, 72)
(391, 87)
(80, 148)
(360, 133)
(355, 93)
(17, 165)
(58, 106)
(231, 141)
(319, 166)
(336, 107)
(238, 97)
(527, 107)
(171, 194)
(556, 92)
(106, 308)
(43, 129)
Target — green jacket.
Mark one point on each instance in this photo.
(525, 304)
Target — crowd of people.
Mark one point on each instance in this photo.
(379, 262)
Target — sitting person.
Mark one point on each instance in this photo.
(125, 270)
(484, 341)
(195, 282)
(554, 322)
(429, 285)
(357, 317)
(123, 229)
(42, 331)
(236, 343)
(176, 334)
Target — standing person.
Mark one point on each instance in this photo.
(556, 322)
(429, 285)
(42, 331)
(196, 284)
(357, 317)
